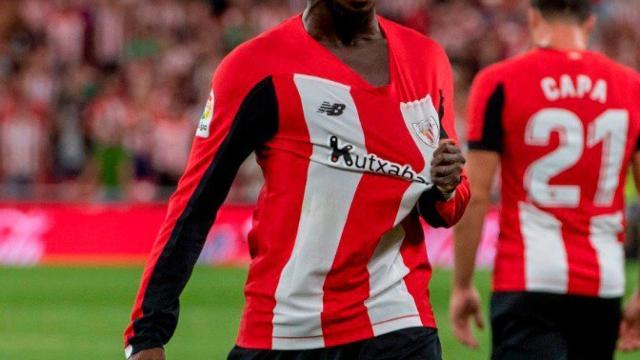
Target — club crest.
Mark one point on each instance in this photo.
(428, 130)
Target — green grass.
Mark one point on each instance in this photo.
(79, 313)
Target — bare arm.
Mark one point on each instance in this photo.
(481, 167)
(465, 300)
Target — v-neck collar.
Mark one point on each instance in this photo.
(355, 75)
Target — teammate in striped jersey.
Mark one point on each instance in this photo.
(352, 120)
(564, 124)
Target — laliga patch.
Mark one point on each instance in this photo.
(204, 126)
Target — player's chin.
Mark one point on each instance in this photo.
(356, 6)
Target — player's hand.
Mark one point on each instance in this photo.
(446, 166)
(464, 305)
(150, 354)
(630, 327)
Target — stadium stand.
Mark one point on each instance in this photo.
(99, 99)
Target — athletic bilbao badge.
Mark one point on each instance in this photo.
(423, 121)
(204, 126)
(428, 131)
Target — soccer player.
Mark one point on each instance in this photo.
(352, 120)
(564, 124)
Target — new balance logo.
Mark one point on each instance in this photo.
(332, 109)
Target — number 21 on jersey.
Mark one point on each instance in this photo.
(606, 129)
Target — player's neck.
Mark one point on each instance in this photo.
(330, 24)
(567, 37)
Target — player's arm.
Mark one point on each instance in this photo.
(444, 204)
(630, 328)
(486, 105)
(241, 116)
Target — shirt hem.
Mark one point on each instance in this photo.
(313, 342)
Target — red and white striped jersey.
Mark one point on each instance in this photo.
(566, 125)
(337, 249)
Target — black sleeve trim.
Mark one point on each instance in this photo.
(443, 132)
(638, 144)
(255, 123)
(492, 128)
(427, 208)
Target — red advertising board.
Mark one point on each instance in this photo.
(112, 234)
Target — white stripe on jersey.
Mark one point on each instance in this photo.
(299, 295)
(389, 299)
(545, 256)
(604, 231)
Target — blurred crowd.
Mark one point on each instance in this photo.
(99, 99)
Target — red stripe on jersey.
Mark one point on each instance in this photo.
(583, 264)
(285, 193)
(346, 286)
(414, 254)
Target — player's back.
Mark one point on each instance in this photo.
(566, 125)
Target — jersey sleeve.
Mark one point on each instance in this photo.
(240, 117)
(434, 208)
(484, 116)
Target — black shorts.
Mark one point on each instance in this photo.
(540, 326)
(407, 344)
